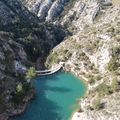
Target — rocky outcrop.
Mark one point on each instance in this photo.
(46, 10)
(67, 11)
(12, 11)
(111, 112)
(93, 55)
(9, 51)
(84, 13)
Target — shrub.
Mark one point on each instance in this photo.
(114, 85)
(17, 97)
(19, 88)
(97, 77)
(96, 105)
(92, 78)
(113, 64)
(53, 58)
(117, 38)
(103, 89)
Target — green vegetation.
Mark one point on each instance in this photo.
(21, 91)
(52, 59)
(96, 104)
(93, 79)
(92, 45)
(34, 37)
(103, 89)
(31, 73)
(66, 54)
(114, 85)
(18, 95)
(117, 38)
(19, 88)
(114, 63)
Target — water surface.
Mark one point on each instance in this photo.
(56, 98)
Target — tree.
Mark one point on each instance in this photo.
(18, 95)
(31, 74)
(19, 88)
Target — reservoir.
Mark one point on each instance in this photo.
(56, 97)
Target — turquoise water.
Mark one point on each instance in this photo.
(56, 98)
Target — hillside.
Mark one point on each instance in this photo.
(93, 54)
(83, 34)
(24, 42)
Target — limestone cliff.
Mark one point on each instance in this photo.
(93, 54)
(29, 29)
(46, 10)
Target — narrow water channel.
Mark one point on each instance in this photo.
(56, 97)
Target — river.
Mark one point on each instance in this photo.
(56, 97)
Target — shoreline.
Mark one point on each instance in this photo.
(76, 114)
(80, 77)
(21, 108)
(9, 113)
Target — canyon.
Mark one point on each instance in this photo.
(83, 34)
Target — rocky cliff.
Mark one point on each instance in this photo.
(25, 26)
(23, 41)
(29, 29)
(46, 10)
(93, 54)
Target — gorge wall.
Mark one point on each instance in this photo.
(29, 29)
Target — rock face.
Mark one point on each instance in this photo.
(46, 10)
(87, 10)
(9, 50)
(26, 27)
(29, 29)
(14, 10)
(111, 112)
(68, 11)
(93, 54)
